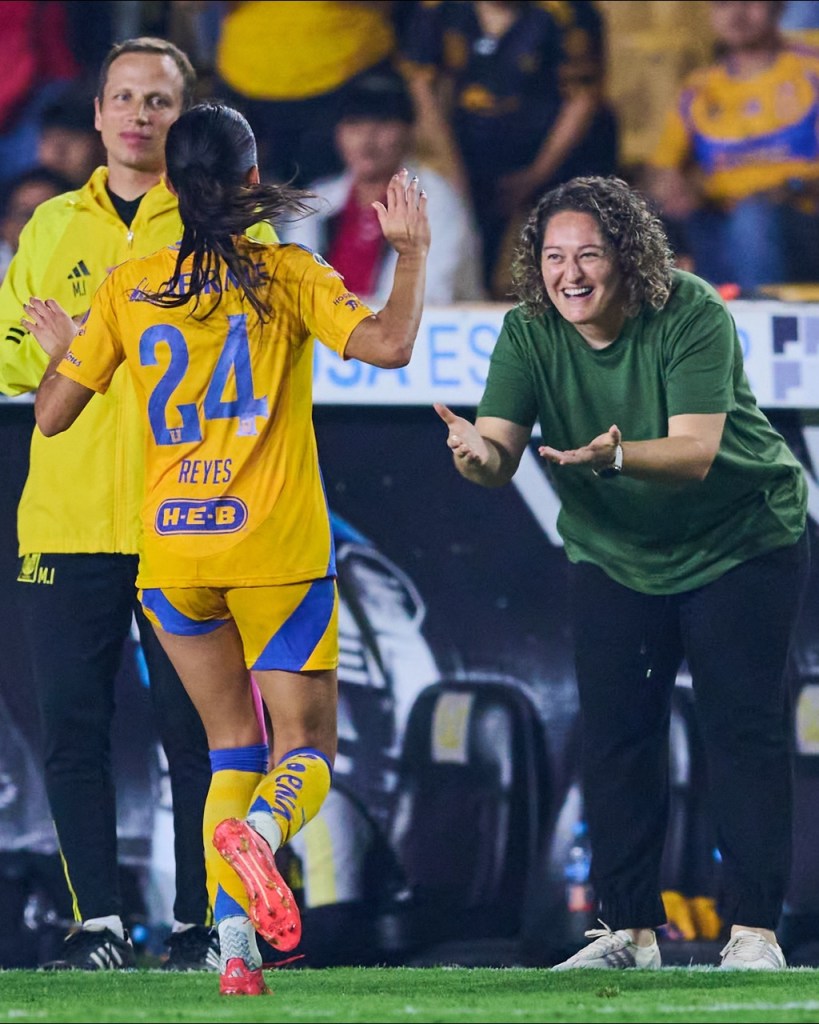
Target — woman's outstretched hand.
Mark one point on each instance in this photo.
(598, 453)
(463, 439)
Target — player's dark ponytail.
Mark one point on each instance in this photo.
(209, 151)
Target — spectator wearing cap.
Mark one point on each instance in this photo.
(374, 139)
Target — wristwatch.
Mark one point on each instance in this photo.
(615, 468)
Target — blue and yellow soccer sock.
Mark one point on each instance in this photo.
(237, 772)
(290, 795)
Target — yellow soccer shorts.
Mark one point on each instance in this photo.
(292, 627)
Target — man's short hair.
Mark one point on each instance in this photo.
(161, 47)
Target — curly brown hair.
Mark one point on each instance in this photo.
(634, 233)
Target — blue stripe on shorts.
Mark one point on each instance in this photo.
(290, 647)
(172, 620)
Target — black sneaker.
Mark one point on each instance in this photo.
(95, 950)
(194, 949)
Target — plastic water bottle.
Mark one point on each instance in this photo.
(580, 902)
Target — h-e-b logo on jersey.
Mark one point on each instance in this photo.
(79, 286)
(209, 515)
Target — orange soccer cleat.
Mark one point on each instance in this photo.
(272, 908)
(238, 979)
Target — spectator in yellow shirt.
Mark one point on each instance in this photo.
(736, 171)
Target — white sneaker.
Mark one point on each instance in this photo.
(750, 951)
(613, 950)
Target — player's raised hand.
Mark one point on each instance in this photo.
(463, 439)
(404, 220)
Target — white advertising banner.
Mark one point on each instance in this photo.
(780, 344)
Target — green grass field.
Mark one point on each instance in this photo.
(418, 994)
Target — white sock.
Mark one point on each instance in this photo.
(237, 938)
(264, 823)
(113, 921)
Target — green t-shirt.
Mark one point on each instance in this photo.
(657, 538)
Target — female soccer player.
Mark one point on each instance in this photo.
(237, 570)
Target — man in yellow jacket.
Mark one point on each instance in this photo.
(78, 521)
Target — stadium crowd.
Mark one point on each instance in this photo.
(505, 100)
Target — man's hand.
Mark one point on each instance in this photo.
(50, 324)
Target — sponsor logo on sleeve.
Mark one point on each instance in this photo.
(348, 299)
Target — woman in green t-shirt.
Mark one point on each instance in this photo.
(683, 518)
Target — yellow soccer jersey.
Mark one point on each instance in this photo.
(747, 135)
(234, 495)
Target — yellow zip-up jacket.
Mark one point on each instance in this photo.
(85, 486)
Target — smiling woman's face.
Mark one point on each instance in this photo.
(582, 278)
